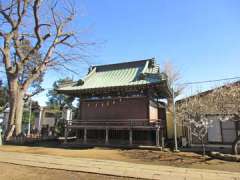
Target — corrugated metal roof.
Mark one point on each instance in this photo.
(122, 74)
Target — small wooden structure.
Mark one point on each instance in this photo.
(120, 104)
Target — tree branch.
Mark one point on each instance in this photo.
(7, 16)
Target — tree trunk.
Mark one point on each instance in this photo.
(19, 114)
(203, 146)
(16, 102)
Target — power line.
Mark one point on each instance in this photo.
(208, 81)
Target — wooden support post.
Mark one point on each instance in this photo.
(85, 136)
(130, 137)
(76, 133)
(162, 139)
(157, 137)
(106, 136)
(66, 132)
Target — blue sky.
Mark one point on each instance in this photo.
(201, 38)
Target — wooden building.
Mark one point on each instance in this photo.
(120, 104)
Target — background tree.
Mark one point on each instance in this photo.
(191, 113)
(46, 25)
(223, 101)
(226, 99)
(56, 100)
(3, 97)
(174, 77)
(228, 104)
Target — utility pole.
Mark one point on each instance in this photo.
(174, 121)
(29, 118)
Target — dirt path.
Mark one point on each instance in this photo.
(188, 160)
(19, 172)
(113, 168)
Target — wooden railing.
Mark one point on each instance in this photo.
(117, 122)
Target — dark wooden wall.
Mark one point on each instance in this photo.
(119, 108)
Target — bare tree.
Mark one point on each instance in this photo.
(228, 103)
(174, 76)
(192, 114)
(194, 111)
(226, 99)
(46, 25)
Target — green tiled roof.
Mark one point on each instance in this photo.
(122, 74)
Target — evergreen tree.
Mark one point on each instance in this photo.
(58, 101)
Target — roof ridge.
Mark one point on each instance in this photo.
(126, 62)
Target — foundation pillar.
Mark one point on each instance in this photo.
(157, 137)
(107, 136)
(162, 139)
(130, 137)
(85, 136)
(66, 132)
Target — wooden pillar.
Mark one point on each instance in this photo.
(77, 133)
(107, 136)
(157, 137)
(85, 136)
(66, 132)
(162, 139)
(130, 137)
